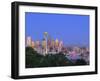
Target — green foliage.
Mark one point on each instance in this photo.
(33, 59)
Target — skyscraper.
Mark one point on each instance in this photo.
(46, 38)
(56, 43)
(37, 44)
(44, 46)
(28, 41)
(60, 45)
(33, 44)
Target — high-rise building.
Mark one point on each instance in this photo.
(49, 44)
(33, 44)
(28, 41)
(44, 43)
(37, 44)
(46, 38)
(56, 43)
(44, 46)
(60, 45)
(52, 44)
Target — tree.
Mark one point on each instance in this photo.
(80, 62)
(34, 59)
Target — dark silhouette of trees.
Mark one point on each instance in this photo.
(34, 59)
(80, 62)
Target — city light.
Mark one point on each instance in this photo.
(51, 46)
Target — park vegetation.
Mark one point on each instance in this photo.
(34, 59)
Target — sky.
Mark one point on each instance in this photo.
(70, 28)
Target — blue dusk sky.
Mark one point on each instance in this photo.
(71, 29)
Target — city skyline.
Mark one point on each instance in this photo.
(54, 47)
(59, 26)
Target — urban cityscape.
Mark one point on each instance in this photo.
(54, 40)
(49, 46)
